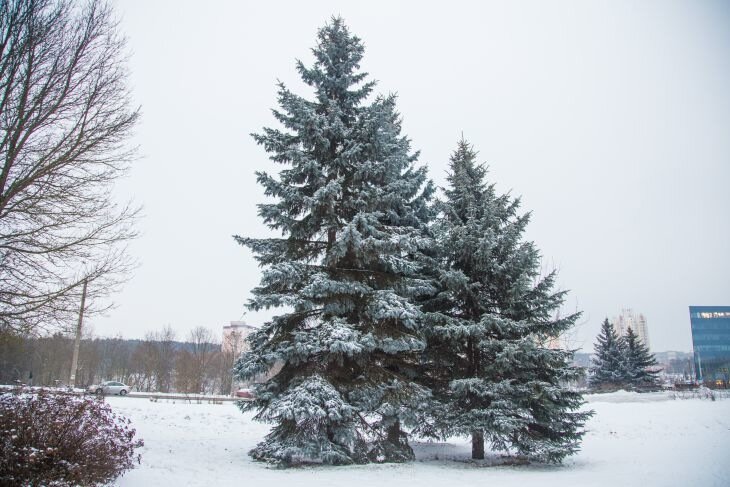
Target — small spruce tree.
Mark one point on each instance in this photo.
(353, 210)
(608, 371)
(638, 361)
(486, 362)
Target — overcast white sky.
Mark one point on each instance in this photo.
(611, 119)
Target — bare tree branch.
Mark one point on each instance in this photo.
(65, 120)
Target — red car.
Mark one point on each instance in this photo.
(244, 393)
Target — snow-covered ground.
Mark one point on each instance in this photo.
(633, 440)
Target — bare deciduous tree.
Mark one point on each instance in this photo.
(143, 360)
(164, 357)
(65, 120)
(203, 351)
(184, 372)
(231, 349)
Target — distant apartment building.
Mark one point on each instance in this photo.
(636, 321)
(234, 336)
(234, 340)
(711, 343)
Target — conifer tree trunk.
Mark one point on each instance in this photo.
(394, 433)
(477, 445)
(477, 436)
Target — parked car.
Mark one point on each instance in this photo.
(244, 393)
(109, 387)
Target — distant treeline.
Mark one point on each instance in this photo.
(156, 363)
(161, 363)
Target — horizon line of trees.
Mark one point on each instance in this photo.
(156, 363)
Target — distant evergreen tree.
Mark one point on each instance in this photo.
(609, 371)
(638, 361)
(353, 210)
(486, 361)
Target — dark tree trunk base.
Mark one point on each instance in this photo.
(393, 449)
(477, 445)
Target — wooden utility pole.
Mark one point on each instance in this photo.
(77, 343)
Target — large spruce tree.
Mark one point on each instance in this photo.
(638, 363)
(486, 361)
(352, 208)
(608, 371)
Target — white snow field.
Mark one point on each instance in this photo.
(633, 440)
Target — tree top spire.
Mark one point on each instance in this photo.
(337, 62)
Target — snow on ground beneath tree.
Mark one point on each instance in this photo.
(655, 439)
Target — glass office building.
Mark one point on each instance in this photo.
(711, 343)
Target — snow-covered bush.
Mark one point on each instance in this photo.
(59, 439)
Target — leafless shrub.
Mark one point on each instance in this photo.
(60, 439)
